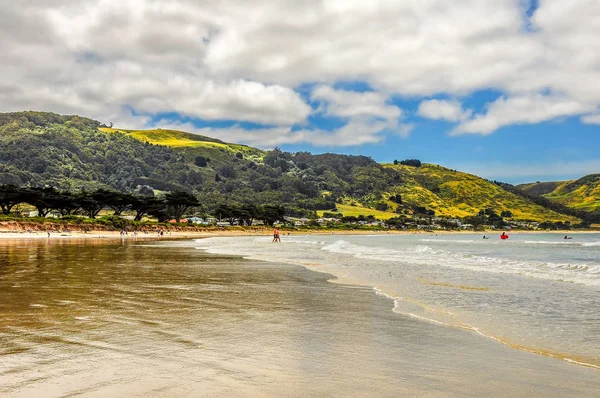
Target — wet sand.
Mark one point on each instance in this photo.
(154, 319)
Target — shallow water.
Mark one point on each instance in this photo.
(536, 292)
(164, 319)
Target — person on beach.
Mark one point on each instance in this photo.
(276, 237)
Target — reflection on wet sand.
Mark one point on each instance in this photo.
(113, 318)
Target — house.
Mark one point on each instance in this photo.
(301, 222)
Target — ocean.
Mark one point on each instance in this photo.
(533, 292)
(426, 316)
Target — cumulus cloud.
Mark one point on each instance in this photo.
(370, 114)
(521, 110)
(350, 104)
(448, 110)
(129, 60)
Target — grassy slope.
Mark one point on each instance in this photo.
(183, 140)
(357, 210)
(583, 193)
(540, 188)
(456, 194)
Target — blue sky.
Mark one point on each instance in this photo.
(506, 89)
(514, 154)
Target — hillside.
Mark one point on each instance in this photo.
(74, 153)
(456, 194)
(583, 194)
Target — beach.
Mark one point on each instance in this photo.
(164, 318)
(17, 232)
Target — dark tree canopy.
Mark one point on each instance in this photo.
(411, 162)
(200, 161)
(179, 202)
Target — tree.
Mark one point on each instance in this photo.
(43, 199)
(179, 202)
(349, 220)
(270, 214)
(66, 203)
(200, 161)
(93, 203)
(119, 202)
(143, 205)
(411, 162)
(396, 222)
(228, 171)
(381, 206)
(396, 199)
(247, 214)
(10, 196)
(227, 212)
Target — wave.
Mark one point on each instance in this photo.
(585, 274)
(469, 241)
(493, 240)
(590, 244)
(415, 255)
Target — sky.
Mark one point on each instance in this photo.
(505, 89)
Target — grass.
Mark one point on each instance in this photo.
(181, 139)
(349, 210)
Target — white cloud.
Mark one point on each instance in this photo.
(240, 60)
(521, 110)
(369, 115)
(591, 119)
(351, 104)
(448, 110)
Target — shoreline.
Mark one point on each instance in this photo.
(103, 234)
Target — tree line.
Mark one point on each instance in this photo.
(173, 205)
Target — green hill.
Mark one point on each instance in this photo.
(583, 194)
(456, 194)
(74, 153)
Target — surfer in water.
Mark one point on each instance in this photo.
(568, 237)
(485, 237)
(504, 236)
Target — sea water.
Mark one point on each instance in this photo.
(160, 318)
(533, 292)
